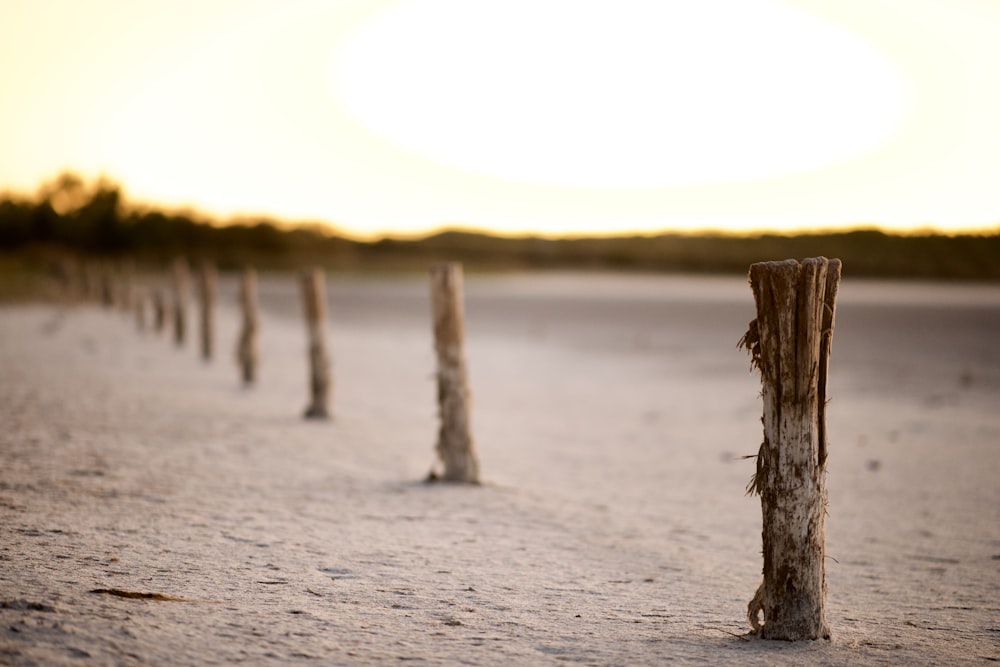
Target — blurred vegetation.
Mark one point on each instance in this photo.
(69, 217)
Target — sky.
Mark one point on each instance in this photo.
(547, 117)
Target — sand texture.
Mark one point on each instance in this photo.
(610, 414)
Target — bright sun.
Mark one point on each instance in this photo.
(638, 93)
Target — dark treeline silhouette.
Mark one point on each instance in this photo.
(92, 220)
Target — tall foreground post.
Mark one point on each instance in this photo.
(314, 300)
(246, 347)
(182, 288)
(206, 302)
(454, 446)
(789, 342)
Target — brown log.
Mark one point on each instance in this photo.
(789, 343)
(455, 448)
(182, 289)
(314, 302)
(206, 303)
(246, 347)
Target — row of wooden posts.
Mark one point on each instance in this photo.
(789, 342)
(457, 459)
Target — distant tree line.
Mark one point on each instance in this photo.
(91, 219)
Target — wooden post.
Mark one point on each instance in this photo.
(182, 287)
(62, 271)
(246, 348)
(454, 446)
(96, 282)
(126, 286)
(107, 284)
(789, 342)
(77, 280)
(314, 302)
(206, 302)
(91, 281)
(139, 299)
(159, 310)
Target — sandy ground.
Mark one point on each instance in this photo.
(610, 416)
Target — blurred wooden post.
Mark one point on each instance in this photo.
(789, 342)
(139, 307)
(206, 302)
(246, 349)
(454, 446)
(97, 282)
(182, 287)
(62, 271)
(78, 279)
(159, 310)
(107, 277)
(126, 286)
(91, 281)
(314, 301)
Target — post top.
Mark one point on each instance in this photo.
(792, 266)
(795, 262)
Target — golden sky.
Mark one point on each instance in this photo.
(518, 116)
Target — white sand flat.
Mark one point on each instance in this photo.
(609, 414)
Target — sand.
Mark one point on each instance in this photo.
(610, 414)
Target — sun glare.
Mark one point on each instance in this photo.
(523, 116)
(638, 93)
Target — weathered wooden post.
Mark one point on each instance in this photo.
(789, 343)
(314, 301)
(246, 347)
(454, 446)
(206, 302)
(182, 288)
